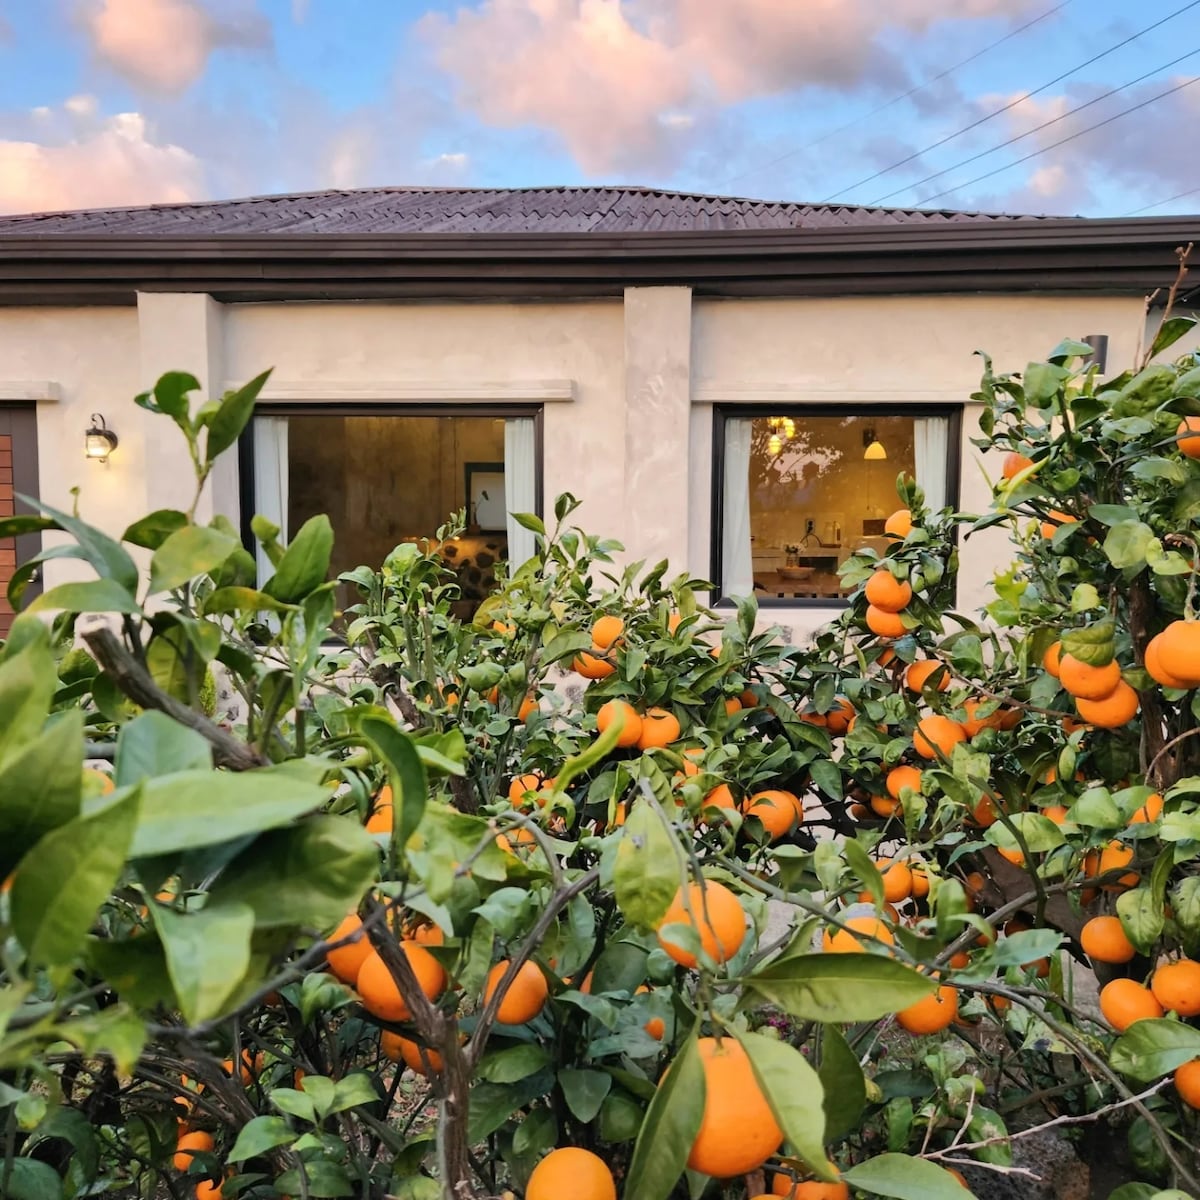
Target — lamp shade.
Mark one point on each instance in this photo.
(99, 441)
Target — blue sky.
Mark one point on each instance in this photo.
(106, 102)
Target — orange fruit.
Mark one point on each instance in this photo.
(916, 676)
(1187, 437)
(620, 711)
(809, 1189)
(1187, 1083)
(920, 881)
(897, 879)
(885, 591)
(732, 705)
(975, 725)
(401, 1049)
(1087, 682)
(427, 934)
(1056, 813)
(843, 941)
(1115, 710)
(1176, 986)
(189, 1144)
(605, 632)
(931, 1014)
(1056, 519)
(1112, 857)
(838, 719)
(899, 524)
(207, 1190)
(521, 785)
(380, 820)
(1125, 1001)
(884, 623)
(528, 707)
(526, 996)
(898, 778)
(346, 961)
(720, 797)
(380, 995)
(738, 1131)
(749, 698)
(776, 809)
(716, 914)
(937, 735)
(1052, 658)
(1179, 649)
(512, 840)
(592, 667)
(1014, 464)
(884, 806)
(1103, 940)
(962, 1179)
(1149, 812)
(571, 1172)
(674, 620)
(659, 728)
(1152, 660)
(252, 1066)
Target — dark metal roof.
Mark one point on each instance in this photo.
(410, 210)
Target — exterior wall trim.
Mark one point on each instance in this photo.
(26, 391)
(715, 391)
(532, 391)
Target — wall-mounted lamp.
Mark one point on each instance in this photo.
(873, 447)
(1099, 354)
(99, 441)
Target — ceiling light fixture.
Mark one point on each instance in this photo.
(874, 448)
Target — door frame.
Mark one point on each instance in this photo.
(20, 422)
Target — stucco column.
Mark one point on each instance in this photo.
(182, 331)
(658, 361)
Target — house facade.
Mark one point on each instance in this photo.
(732, 385)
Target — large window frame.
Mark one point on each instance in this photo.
(953, 413)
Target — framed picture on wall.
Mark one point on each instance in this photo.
(485, 496)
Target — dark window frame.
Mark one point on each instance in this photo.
(798, 411)
(19, 419)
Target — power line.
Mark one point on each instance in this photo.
(1159, 203)
(1036, 129)
(912, 91)
(1013, 103)
(1063, 141)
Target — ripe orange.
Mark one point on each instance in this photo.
(1087, 682)
(920, 881)
(605, 632)
(1157, 669)
(901, 777)
(931, 1014)
(843, 941)
(1052, 658)
(937, 735)
(1179, 649)
(1187, 1083)
(1112, 857)
(1149, 812)
(207, 1190)
(1115, 710)
(1056, 519)
(884, 623)
(570, 1171)
(346, 961)
(1014, 464)
(885, 591)
(1187, 437)
(716, 914)
(897, 879)
(1125, 1001)
(526, 996)
(776, 809)
(975, 725)
(720, 797)
(1176, 986)
(659, 728)
(809, 1189)
(528, 707)
(620, 710)
(838, 719)
(380, 995)
(749, 698)
(732, 705)
(189, 1144)
(738, 1131)
(380, 820)
(512, 840)
(592, 667)
(916, 677)
(1103, 940)
(884, 806)
(252, 1066)
(401, 1049)
(899, 524)
(1057, 813)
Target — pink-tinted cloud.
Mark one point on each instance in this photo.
(163, 46)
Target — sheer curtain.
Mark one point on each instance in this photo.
(931, 444)
(520, 486)
(737, 567)
(271, 481)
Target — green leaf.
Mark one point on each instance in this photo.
(493, 1103)
(796, 1096)
(305, 563)
(843, 1084)
(207, 953)
(116, 1032)
(352, 1091)
(1043, 381)
(243, 600)
(27, 684)
(1141, 917)
(191, 551)
(905, 1178)
(259, 1135)
(322, 1179)
(189, 809)
(92, 596)
(839, 987)
(40, 788)
(514, 1063)
(859, 861)
(535, 1135)
(1084, 598)
(584, 1091)
(154, 529)
(67, 876)
(405, 772)
(234, 413)
(1093, 644)
(294, 1103)
(669, 1128)
(646, 873)
(108, 558)
(1127, 545)
(530, 521)
(29, 1179)
(1153, 1047)
(71, 1126)
(1169, 332)
(311, 874)
(155, 744)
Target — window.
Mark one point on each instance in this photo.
(797, 491)
(389, 477)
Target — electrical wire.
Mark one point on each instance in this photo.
(1159, 203)
(1013, 103)
(1036, 129)
(1063, 141)
(912, 91)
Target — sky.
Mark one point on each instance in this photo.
(1087, 107)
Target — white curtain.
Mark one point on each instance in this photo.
(271, 481)
(737, 567)
(520, 486)
(931, 442)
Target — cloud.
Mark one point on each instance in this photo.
(88, 161)
(163, 46)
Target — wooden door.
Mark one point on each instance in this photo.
(18, 476)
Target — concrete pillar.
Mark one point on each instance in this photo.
(182, 331)
(658, 358)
